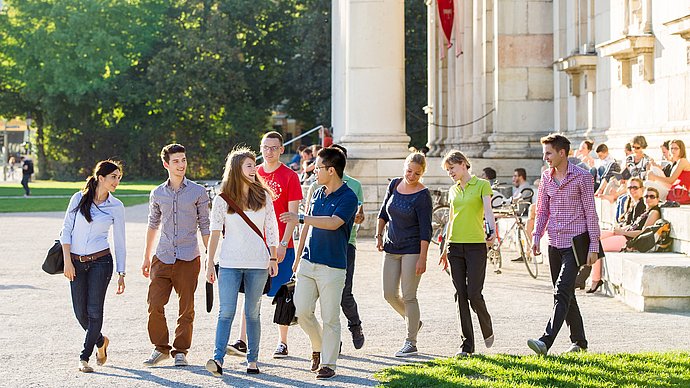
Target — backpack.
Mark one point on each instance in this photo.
(654, 238)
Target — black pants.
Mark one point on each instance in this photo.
(468, 270)
(348, 303)
(25, 183)
(565, 309)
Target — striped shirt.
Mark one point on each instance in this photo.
(566, 209)
(179, 214)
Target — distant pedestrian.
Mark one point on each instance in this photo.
(406, 210)
(243, 258)
(27, 171)
(470, 206)
(88, 260)
(566, 209)
(179, 207)
(322, 270)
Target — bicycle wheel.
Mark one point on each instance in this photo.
(526, 253)
(439, 219)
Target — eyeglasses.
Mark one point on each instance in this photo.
(633, 187)
(650, 196)
(637, 147)
(271, 148)
(318, 168)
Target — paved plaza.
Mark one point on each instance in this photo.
(41, 340)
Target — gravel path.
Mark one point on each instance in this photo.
(41, 340)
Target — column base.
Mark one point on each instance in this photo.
(376, 146)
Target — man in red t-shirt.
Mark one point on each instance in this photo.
(287, 194)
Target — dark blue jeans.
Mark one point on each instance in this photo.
(564, 270)
(88, 295)
(348, 303)
(25, 183)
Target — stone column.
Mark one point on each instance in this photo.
(373, 109)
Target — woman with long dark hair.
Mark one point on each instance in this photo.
(243, 257)
(88, 260)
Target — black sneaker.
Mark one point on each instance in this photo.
(281, 351)
(357, 336)
(315, 361)
(239, 348)
(325, 373)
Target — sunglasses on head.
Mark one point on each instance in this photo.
(650, 196)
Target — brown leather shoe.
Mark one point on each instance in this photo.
(102, 352)
(315, 361)
(325, 373)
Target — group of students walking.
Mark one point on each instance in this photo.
(255, 216)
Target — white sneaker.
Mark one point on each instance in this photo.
(85, 367)
(155, 358)
(181, 360)
(407, 350)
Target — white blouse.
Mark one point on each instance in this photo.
(242, 247)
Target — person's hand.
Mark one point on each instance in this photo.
(592, 258)
(69, 271)
(535, 250)
(490, 239)
(210, 273)
(359, 218)
(421, 266)
(379, 243)
(146, 267)
(294, 266)
(280, 252)
(289, 217)
(120, 285)
(272, 268)
(443, 261)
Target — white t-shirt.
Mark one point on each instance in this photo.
(242, 247)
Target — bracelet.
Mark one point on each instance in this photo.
(379, 235)
(274, 259)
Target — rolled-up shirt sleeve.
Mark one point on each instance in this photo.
(590, 211)
(119, 238)
(542, 215)
(154, 211)
(202, 213)
(68, 222)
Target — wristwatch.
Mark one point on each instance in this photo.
(284, 244)
(300, 217)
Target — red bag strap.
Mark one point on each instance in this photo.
(240, 212)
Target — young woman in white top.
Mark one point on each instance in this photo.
(243, 255)
(88, 260)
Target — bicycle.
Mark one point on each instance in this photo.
(440, 214)
(518, 229)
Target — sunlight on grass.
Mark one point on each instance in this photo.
(573, 370)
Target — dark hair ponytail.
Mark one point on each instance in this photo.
(103, 168)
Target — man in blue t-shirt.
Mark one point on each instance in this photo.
(321, 273)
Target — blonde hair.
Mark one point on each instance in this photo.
(418, 158)
(234, 180)
(455, 157)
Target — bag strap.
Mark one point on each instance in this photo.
(241, 213)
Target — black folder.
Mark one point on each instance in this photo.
(581, 248)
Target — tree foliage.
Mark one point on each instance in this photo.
(122, 78)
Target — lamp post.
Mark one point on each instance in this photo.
(5, 148)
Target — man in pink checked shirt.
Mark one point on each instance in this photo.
(566, 209)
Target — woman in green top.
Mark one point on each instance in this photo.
(470, 205)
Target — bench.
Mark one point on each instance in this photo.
(650, 281)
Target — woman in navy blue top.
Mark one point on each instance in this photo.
(407, 212)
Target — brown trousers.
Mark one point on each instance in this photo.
(183, 277)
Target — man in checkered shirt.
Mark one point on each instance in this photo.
(565, 207)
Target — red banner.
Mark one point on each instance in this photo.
(446, 13)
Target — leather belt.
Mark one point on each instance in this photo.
(91, 257)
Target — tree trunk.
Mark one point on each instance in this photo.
(43, 168)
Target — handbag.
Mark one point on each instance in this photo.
(679, 194)
(249, 222)
(285, 305)
(54, 263)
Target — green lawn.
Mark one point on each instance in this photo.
(140, 189)
(573, 370)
